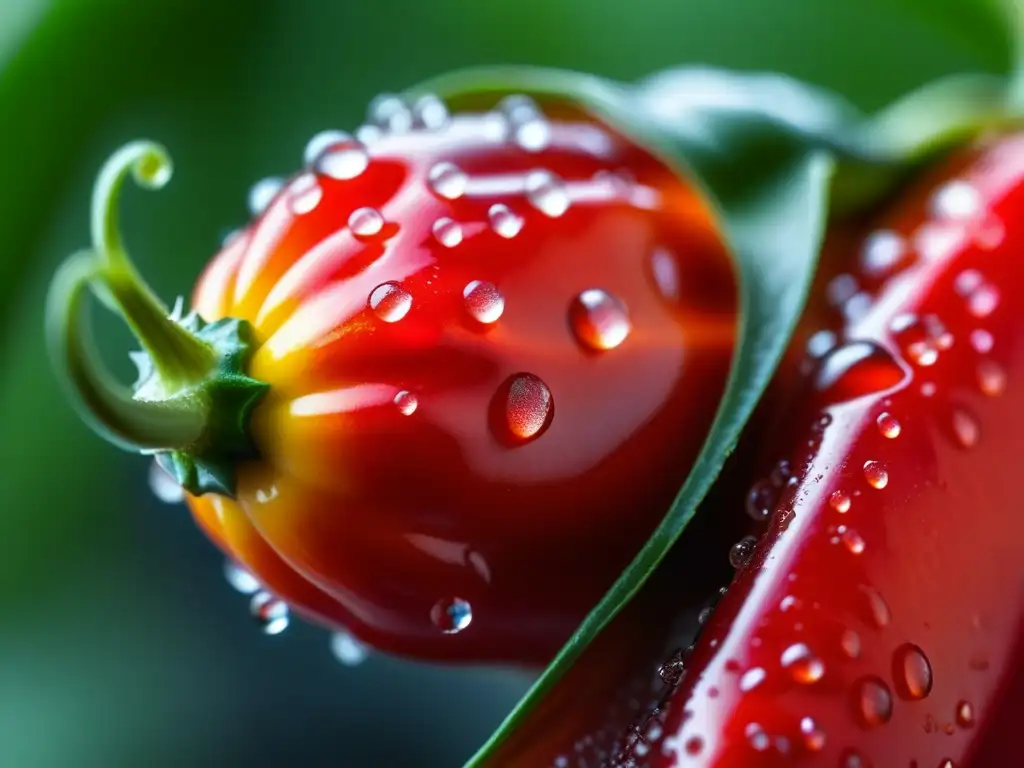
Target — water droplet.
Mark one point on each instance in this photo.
(983, 302)
(757, 738)
(390, 301)
(519, 109)
(671, 672)
(991, 378)
(705, 615)
(163, 486)
(694, 745)
(546, 193)
(528, 406)
(889, 425)
(430, 112)
(665, 271)
(483, 302)
(814, 737)
(840, 501)
(821, 343)
(752, 678)
(304, 194)
(262, 194)
(390, 113)
(850, 643)
(742, 551)
(317, 145)
(406, 402)
(447, 180)
(841, 289)
(854, 541)
(788, 602)
(451, 615)
(761, 500)
(447, 232)
(503, 221)
(533, 135)
(882, 251)
(982, 341)
(782, 474)
(911, 672)
(348, 649)
(368, 134)
(965, 428)
(366, 222)
(343, 161)
(956, 200)
(598, 319)
(947, 763)
(878, 609)
(856, 369)
(240, 579)
(964, 714)
(876, 474)
(873, 701)
(851, 759)
(269, 612)
(802, 664)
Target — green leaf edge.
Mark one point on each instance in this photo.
(849, 162)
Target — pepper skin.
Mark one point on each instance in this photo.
(878, 620)
(477, 333)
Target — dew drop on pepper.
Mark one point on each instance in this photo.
(813, 735)
(911, 672)
(451, 615)
(889, 425)
(270, 613)
(240, 579)
(390, 302)
(546, 192)
(366, 222)
(598, 319)
(523, 407)
(873, 701)
(964, 714)
(802, 664)
(447, 180)
(504, 221)
(742, 551)
(304, 194)
(840, 501)
(406, 402)
(348, 649)
(447, 232)
(876, 474)
(483, 301)
(343, 161)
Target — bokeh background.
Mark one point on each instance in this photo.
(120, 642)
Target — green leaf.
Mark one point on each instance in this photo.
(760, 146)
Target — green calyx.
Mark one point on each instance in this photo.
(192, 403)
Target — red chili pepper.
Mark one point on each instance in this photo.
(878, 620)
(478, 354)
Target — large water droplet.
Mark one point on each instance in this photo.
(742, 551)
(524, 406)
(343, 160)
(856, 369)
(873, 701)
(406, 402)
(840, 501)
(447, 180)
(598, 319)
(483, 301)
(447, 232)
(304, 194)
(882, 251)
(451, 615)
(348, 649)
(889, 425)
(813, 735)
(390, 302)
(366, 222)
(803, 665)
(911, 672)
(430, 112)
(262, 194)
(163, 486)
(503, 221)
(546, 193)
(240, 579)
(270, 613)
(876, 474)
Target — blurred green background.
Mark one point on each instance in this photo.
(120, 643)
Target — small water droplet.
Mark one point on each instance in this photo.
(761, 500)
(665, 271)
(991, 378)
(876, 474)
(406, 402)
(366, 222)
(483, 301)
(447, 180)
(240, 579)
(348, 649)
(430, 112)
(598, 319)
(317, 145)
(163, 486)
(873, 701)
(527, 406)
(947, 763)
(878, 609)
(856, 369)
(911, 672)
(704, 616)
(850, 643)
(841, 289)
(814, 736)
(756, 737)
(851, 759)
(983, 301)
(889, 425)
(304, 194)
(390, 113)
(742, 551)
(965, 428)
(840, 501)
(752, 678)
(269, 612)
(503, 221)
(368, 134)
(802, 664)
(982, 341)
(519, 108)
(882, 251)
(853, 541)
(546, 193)
(964, 714)
(958, 200)
(262, 194)
(451, 615)
(671, 672)
(694, 745)
(390, 302)
(342, 161)
(788, 602)
(821, 343)
(447, 232)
